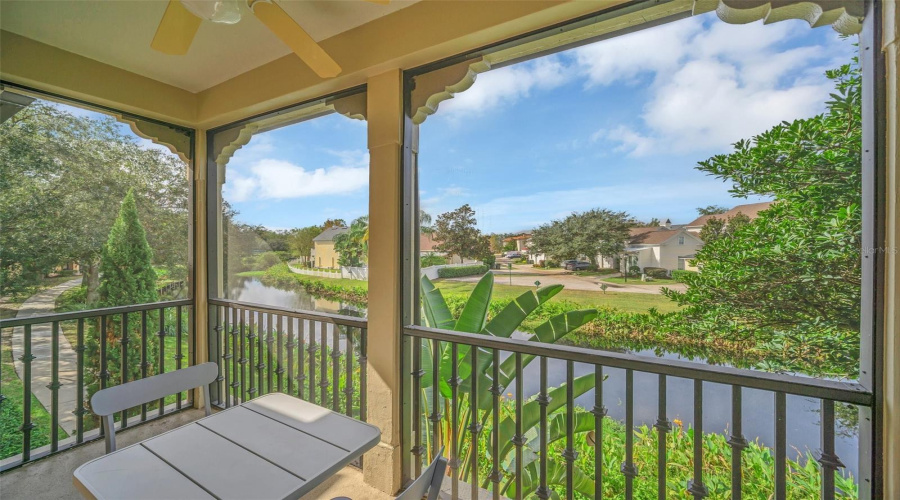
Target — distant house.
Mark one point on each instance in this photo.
(522, 241)
(661, 247)
(751, 210)
(427, 245)
(323, 247)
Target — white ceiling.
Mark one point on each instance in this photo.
(219, 52)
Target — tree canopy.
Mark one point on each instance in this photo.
(592, 234)
(456, 233)
(352, 247)
(126, 269)
(796, 267)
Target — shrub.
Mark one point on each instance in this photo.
(267, 260)
(489, 261)
(551, 263)
(432, 260)
(634, 270)
(680, 274)
(656, 272)
(458, 271)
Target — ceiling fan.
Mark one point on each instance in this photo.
(182, 18)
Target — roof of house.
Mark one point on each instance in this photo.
(426, 243)
(329, 234)
(751, 210)
(652, 235)
(523, 236)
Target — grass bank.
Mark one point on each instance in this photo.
(281, 276)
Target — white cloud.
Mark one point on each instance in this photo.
(279, 179)
(507, 85)
(710, 86)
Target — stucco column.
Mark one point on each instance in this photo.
(200, 262)
(385, 112)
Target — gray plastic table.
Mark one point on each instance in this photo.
(274, 446)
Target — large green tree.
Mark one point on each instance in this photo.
(593, 234)
(456, 233)
(62, 178)
(126, 268)
(352, 246)
(795, 269)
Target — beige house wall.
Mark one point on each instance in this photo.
(326, 257)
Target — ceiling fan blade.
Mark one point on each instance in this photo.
(299, 41)
(380, 2)
(176, 30)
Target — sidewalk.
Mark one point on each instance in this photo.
(40, 304)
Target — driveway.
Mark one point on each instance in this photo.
(570, 281)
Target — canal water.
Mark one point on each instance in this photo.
(803, 428)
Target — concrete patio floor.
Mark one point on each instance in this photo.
(51, 478)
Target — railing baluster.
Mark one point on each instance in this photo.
(79, 389)
(570, 454)
(628, 468)
(435, 416)
(696, 486)
(474, 425)
(737, 442)
(161, 356)
(828, 460)
(178, 354)
(348, 374)
(290, 355)
(262, 332)
(363, 376)
(323, 364)
(235, 356)
(244, 360)
(519, 439)
(780, 446)
(279, 347)
(251, 344)
(301, 348)
(543, 399)
(417, 448)
(335, 367)
(454, 381)
(497, 391)
(123, 356)
(144, 362)
(270, 355)
(599, 412)
(313, 326)
(662, 428)
(27, 424)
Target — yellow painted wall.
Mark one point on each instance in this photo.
(325, 255)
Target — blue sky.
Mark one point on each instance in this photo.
(618, 124)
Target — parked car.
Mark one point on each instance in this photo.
(513, 254)
(576, 265)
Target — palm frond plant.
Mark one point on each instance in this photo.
(474, 319)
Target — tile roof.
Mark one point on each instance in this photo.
(651, 235)
(751, 210)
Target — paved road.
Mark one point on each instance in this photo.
(570, 281)
(41, 348)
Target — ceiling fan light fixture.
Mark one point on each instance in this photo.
(219, 11)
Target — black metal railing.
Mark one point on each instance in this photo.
(469, 397)
(61, 360)
(318, 357)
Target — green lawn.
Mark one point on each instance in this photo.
(628, 302)
(637, 281)
(11, 416)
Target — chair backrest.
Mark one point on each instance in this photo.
(429, 482)
(109, 401)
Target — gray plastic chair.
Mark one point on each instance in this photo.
(429, 483)
(108, 402)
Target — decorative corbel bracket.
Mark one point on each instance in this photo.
(437, 86)
(845, 16)
(173, 139)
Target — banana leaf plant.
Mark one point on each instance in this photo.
(474, 318)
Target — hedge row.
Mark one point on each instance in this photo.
(458, 271)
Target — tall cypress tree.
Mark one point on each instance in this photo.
(126, 272)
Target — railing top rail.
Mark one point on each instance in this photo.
(337, 319)
(109, 311)
(847, 392)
